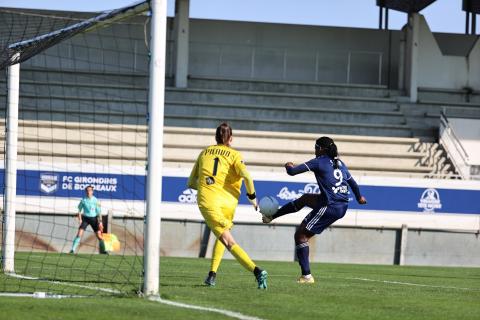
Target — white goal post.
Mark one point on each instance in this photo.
(156, 104)
(8, 249)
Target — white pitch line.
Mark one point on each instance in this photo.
(38, 295)
(386, 281)
(293, 277)
(228, 313)
(107, 290)
(412, 284)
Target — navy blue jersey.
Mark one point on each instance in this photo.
(333, 182)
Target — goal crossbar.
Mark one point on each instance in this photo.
(50, 39)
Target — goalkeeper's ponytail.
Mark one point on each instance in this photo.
(223, 134)
(327, 144)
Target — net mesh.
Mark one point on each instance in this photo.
(82, 121)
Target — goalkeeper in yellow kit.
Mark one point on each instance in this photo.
(217, 175)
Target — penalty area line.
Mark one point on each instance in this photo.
(228, 313)
(412, 284)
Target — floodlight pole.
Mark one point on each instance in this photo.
(156, 101)
(8, 249)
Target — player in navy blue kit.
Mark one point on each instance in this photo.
(328, 206)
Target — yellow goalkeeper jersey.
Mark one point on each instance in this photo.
(217, 175)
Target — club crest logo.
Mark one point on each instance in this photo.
(289, 195)
(48, 182)
(430, 201)
(188, 196)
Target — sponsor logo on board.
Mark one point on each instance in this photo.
(289, 195)
(188, 196)
(430, 201)
(48, 182)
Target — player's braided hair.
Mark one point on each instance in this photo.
(327, 144)
(223, 134)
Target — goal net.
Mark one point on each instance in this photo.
(82, 121)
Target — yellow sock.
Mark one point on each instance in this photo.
(242, 257)
(218, 250)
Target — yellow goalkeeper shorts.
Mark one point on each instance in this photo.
(218, 219)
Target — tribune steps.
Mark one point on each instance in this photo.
(262, 105)
(113, 144)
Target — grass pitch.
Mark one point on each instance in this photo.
(341, 291)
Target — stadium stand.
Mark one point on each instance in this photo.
(371, 126)
(377, 135)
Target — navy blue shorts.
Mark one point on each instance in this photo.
(323, 215)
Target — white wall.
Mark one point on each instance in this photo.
(474, 66)
(436, 70)
(468, 132)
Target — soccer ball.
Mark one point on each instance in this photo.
(268, 206)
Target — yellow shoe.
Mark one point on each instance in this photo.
(306, 279)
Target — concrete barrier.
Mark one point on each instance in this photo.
(339, 244)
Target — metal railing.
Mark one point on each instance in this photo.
(454, 148)
(280, 63)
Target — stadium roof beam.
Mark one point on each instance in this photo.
(407, 6)
(471, 8)
(382, 24)
(182, 34)
(411, 7)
